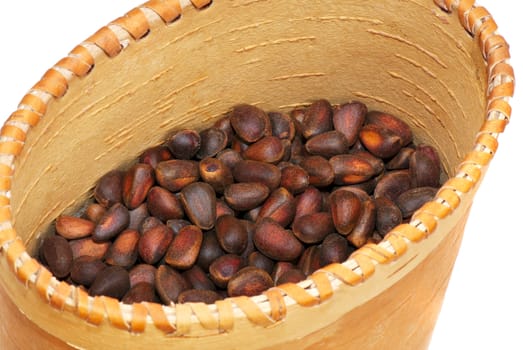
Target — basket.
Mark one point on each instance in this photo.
(441, 66)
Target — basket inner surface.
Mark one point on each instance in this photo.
(404, 58)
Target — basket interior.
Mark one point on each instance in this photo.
(404, 58)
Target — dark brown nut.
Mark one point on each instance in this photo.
(136, 183)
(430, 152)
(401, 160)
(223, 208)
(279, 206)
(177, 224)
(114, 221)
(184, 144)
(293, 275)
(94, 212)
(87, 246)
(317, 119)
(154, 155)
(349, 119)
(209, 251)
(113, 281)
(231, 234)
(393, 123)
(268, 149)
(249, 281)
(365, 224)
(282, 125)
(184, 248)
(124, 250)
(294, 178)
(308, 202)
(224, 267)
(137, 216)
(169, 284)
(261, 261)
(154, 243)
(245, 196)
(213, 140)
(250, 122)
(215, 173)
(424, 169)
(321, 172)
(280, 268)
(139, 293)
(198, 278)
(392, 184)
(224, 124)
(175, 174)
(164, 204)
(148, 223)
(142, 273)
(254, 171)
(327, 144)
(108, 189)
(411, 200)
(388, 215)
(198, 296)
(85, 269)
(380, 141)
(351, 169)
(199, 201)
(375, 162)
(58, 255)
(275, 241)
(229, 157)
(345, 208)
(72, 227)
(334, 249)
(313, 228)
(310, 260)
(250, 226)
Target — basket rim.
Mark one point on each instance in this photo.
(265, 309)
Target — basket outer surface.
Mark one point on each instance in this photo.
(444, 72)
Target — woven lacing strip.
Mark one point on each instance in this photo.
(270, 307)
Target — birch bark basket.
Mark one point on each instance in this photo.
(441, 66)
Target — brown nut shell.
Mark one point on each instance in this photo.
(175, 174)
(136, 184)
(250, 122)
(72, 227)
(345, 208)
(275, 241)
(184, 248)
(124, 250)
(115, 220)
(169, 284)
(249, 281)
(199, 202)
(113, 281)
(154, 243)
(58, 255)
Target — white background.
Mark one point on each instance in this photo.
(483, 308)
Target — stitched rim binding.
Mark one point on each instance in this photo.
(271, 306)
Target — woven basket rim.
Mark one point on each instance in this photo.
(264, 309)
